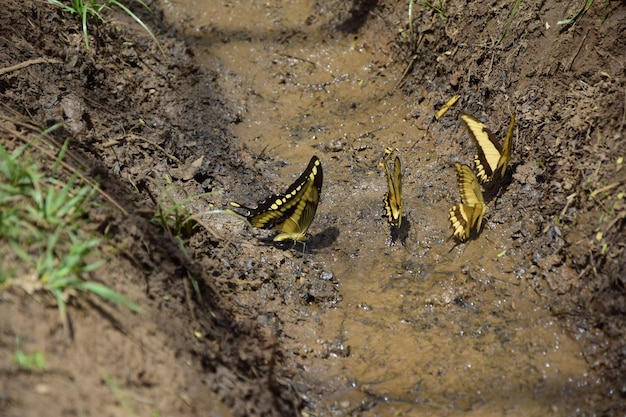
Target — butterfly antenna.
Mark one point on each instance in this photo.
(495, 199)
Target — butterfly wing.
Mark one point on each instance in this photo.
(290, 213)
(295, 226)
(267, 213)
(507, 150)
(466, 218)
(489, 151)
(468, 185)
(393, 198)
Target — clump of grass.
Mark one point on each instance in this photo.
(174, 216)
(35, 361)
(93, 8)
(43, 233)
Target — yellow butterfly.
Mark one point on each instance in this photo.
(466, 218)
(290, 213)
(492, 159)
(393, 198)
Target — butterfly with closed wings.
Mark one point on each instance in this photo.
(290, 213)
(466, 218)
(393, 198)
(492, 159)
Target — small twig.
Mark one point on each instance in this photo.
(619, 217)
(578, 51)
(299, 59)
(604, 189)
(404, 74)
(570, 198)
(29, 63)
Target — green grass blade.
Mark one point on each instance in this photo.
(61, 305)
(20, 252)
(60, 157)
(579, 13)
(83, 15)
(411, 17)
(140, 22)
(65, 7)
(32, 362)
(107, 293)
(509, 21)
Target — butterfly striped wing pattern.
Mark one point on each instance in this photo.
(491, 159)
(290, 213)
(466, 218)
(393, 198)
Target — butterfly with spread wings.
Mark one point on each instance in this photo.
(290, 213)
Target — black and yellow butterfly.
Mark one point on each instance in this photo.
(290, 213)
(467, 218)
(393, 198)
(492, 159)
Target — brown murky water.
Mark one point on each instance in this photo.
(421, 327)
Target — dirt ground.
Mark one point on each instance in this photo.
(135, 117)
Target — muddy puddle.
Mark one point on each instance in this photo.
(422, 326)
